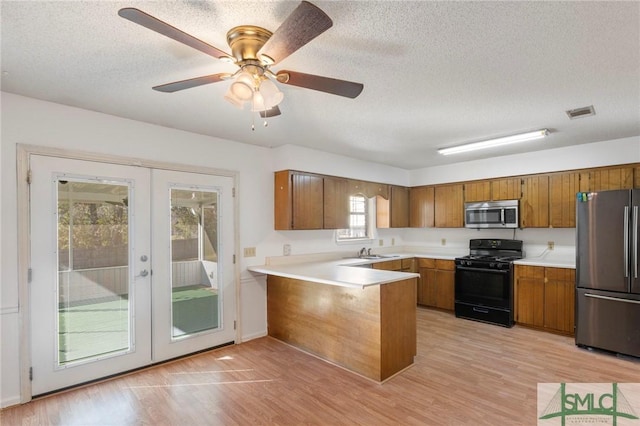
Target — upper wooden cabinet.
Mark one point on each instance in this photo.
(492, 190)
(298, 200)
(368, 189)
(506, 189)
(563, 188)
(534, 204)
(449, 206)
(336, 203)
(477, 191)
(636, 179)
(421, 207)
(609, 178)
(394, 212)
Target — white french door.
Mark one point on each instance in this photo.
(130, 266)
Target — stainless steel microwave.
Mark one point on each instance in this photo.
(491, 214)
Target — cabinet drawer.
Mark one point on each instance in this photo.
(389, 265)
(445, 265)
(426, 263)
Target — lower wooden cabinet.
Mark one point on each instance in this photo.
(400, 265)
(436, 287)
(545, 298)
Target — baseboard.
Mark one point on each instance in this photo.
(6, 403)
(252, 336)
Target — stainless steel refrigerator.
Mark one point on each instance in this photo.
(607, 262)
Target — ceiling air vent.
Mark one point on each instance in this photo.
(581, 112)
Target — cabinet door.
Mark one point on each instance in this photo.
(611, 178)
(449, 206)
(477, 191)
(427, 287)
(506, 189)
(399, 207)
(562, 199)
(529, 300)
(534, 205)
(421, 207)
(445, 288)
(307, 199)
(559, 299)
(636, 177)
(336, 203)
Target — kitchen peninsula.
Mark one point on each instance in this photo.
(359, 318)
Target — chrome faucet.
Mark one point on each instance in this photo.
(363, 252)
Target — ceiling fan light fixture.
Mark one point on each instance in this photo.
(243, 87)
(257, 103)
(233, 100)
(272, 96)
(522, 137)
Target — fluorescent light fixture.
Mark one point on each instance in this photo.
(523, 137)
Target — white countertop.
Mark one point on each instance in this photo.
(341, 272)
(331, 268)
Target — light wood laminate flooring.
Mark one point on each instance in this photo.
(466, 373)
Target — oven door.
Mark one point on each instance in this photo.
(484, 287)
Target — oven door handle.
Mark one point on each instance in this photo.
(493, 271)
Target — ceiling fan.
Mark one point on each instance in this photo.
(254, 50)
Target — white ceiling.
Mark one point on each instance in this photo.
(435, 74)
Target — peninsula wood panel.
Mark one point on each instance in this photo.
(371, 330)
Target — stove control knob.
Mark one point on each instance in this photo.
(492, 265)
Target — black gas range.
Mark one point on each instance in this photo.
(484, 281)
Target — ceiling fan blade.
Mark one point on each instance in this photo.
(271, 112)
(141, 18)
(304, 24)
(191, 82)
(334, 86)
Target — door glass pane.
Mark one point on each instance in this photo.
(93, 270)
(194, 261)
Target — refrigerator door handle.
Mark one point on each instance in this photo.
(634, 231)
(615, 299)
(626, 241)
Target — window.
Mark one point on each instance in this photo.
(358, 220)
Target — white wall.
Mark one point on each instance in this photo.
(33, 122)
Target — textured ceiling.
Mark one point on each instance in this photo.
(435, 74)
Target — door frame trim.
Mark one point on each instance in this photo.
(23, 155)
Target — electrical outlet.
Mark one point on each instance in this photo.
(393, 241)
(550, 245)
(286, 249)
(380, 243)
(443, 241)
(249, 252)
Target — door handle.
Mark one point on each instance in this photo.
(625, 241)
(143, 273)
(613, 299)
(634, 236)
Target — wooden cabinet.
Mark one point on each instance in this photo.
(563, 188)
(534, 204)
(506, 189)
(394, 212)
(298, 200)
(421, 207)
(400, 265)
(609, 178)
(336, 203)
(437, 283)
(477, 191)
(636, 177)
(545, 298)
(449, 206)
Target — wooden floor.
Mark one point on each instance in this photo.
(466, 373)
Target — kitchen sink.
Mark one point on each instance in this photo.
(373, 256)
